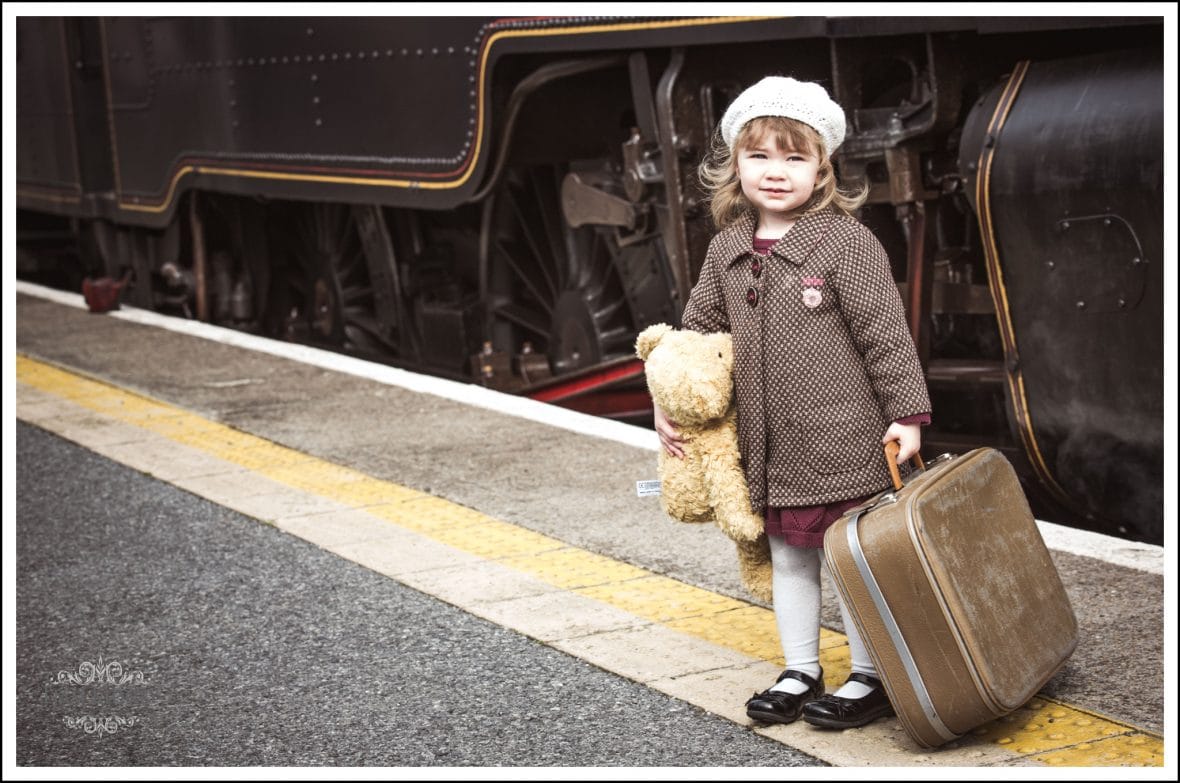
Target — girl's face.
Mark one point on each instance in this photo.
(778, 182)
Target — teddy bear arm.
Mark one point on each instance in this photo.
(729, 494)
(683, 493)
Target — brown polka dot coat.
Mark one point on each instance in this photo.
(823, 358)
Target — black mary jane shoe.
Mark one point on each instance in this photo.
(781, 707)
(837, 712)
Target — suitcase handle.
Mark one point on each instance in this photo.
(891, 452)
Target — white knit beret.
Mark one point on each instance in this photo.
(782, 96)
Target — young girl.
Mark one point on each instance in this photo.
(825, 370)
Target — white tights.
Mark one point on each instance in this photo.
(796, 611)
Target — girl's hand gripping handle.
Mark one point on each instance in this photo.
(891, 452)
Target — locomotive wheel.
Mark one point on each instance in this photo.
(331, 281)
(548, 284)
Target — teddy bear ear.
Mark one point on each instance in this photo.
(649, 338)
(722, 342)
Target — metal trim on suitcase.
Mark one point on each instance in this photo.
(891, 627)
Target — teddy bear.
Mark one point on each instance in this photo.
(690, 376)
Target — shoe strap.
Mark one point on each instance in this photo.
(802, 677)
(865, 679)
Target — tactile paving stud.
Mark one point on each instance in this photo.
(269, 456)
(748, 629)
(495, 539)
(322, 478)
(661, 599)
(571, 568)
(130, 407)
(1045, 726)
(424, 513)
(367, 491)
(124, 406)
(177, 425)
(1130, 750)
(221, 442)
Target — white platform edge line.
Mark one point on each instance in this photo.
(468, 394)
(1130, 554)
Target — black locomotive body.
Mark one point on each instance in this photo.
(511, 200)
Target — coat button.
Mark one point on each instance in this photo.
(756, 268)
(752, 297)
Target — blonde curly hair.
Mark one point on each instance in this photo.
(719, 173)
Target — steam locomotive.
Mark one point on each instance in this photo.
(509, 201)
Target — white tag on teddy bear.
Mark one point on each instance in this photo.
(647, 488)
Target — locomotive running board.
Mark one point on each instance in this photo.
(583, 390)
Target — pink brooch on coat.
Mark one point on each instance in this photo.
(812, 296)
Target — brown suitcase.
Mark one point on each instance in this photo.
(954, 594)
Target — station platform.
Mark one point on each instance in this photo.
(527, 515)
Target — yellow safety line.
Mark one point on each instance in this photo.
(1046, 730)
